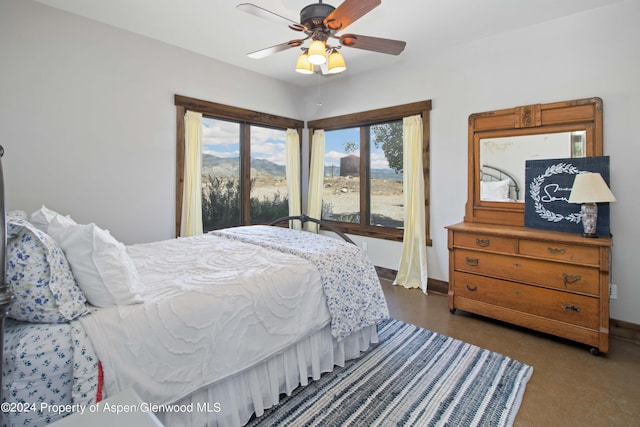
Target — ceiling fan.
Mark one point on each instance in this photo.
(320, 23)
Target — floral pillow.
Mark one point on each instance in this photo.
(13, 215)
(39, 277)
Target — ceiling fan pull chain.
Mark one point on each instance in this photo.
(319, 102)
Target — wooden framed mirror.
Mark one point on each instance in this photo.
(501, 141)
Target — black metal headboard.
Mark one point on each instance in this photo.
(321, 223)
(5, 295)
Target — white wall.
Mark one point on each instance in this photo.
(88, 122)
(595, 53)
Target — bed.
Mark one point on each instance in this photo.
(498, 185)
(207, 330)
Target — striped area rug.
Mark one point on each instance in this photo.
(413, 377)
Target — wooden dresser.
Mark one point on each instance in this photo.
(553, 282)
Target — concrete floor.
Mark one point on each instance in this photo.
(569, 386)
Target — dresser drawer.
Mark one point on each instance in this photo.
(560, 251)
(544, 280)
(566, 277)
(548, 303)
(485, 242)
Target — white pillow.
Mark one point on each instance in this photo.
(494, 190)
(43, 217)
(101, 265)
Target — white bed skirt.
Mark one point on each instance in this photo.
(232, 401)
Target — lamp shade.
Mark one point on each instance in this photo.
(590, 188)
(317, 52)
(336, 63)
(304, 66)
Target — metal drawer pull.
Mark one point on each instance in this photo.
(469, 288)
(570, 278)
(556, 251)
(471, 261)
(483, 243)
(571, 307)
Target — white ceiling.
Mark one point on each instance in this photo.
(215, 28)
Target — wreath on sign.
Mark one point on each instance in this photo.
(534, 192)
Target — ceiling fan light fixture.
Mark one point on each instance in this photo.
(336, 62)
(317, 52)
(319, 23)
(303, 66)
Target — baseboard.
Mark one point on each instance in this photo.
(433, 285)
(617, 328)
(386, 273)
(624, 330)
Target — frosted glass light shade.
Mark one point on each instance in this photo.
(317, 52)
(336, 63)
(590, 188)
(304, 66)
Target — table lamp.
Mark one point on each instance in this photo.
(589, 188)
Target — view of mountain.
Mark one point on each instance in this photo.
(227, 167)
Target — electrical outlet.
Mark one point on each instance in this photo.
(613, 291)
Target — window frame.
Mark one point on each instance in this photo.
(246, 118)
(372, 117)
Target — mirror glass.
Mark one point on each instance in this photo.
(502, 161)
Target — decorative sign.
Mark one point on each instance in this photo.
(548, 186)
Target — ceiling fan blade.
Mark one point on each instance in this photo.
(271, 16)
(376, 44)
(263, 53)
(348, 12)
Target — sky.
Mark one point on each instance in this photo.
(220, 138)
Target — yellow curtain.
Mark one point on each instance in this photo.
(316, 179)
(191, 221)
(412, 272)
(293, 175)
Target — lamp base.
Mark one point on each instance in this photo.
(589, 219)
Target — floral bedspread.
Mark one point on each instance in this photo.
(48, 370)
(351, 285)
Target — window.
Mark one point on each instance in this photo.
(268, 189)
(243, 164)
(341, 195)
(221, 183)
(343, 173)
(363, 179)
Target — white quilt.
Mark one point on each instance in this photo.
(212, 307)
(349, 279)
